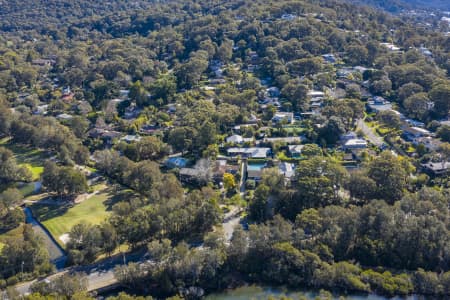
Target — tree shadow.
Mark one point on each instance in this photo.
(116, 195)
(45, 212)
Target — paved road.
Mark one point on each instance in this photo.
(230, 221)
(369, 133)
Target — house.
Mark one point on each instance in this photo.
(253, 152)
(239, 128)
(431, 144)
(221, 167)
(355, 144)
(43, 62)
(316, 94)
(295, 151)
(329, 58)
(175, 162)
(131, 138)
(41, 110)
(287, 169)
(414, 123)
(391, 47)
(131, 112)
(255, 170)
(348, 136)
(425, 51)
(288, 117)
(123, 94)
(436, 168)
(149, 129)
(378, 104)
(273, 92)
(237, 139)
(64, 117)
(287, 139)
(192, 176)
(288, 17)
(411, 133)
(107, 136)
(217, 81)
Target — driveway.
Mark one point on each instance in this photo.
(369, 133)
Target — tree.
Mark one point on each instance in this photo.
(444, 133)
(9, 170)
(65, 181)
(258, 209)
(311, 150)
(144, 177)
(407, 90)
(164, 88)
(85, 243)
(389, 175)
(229, 182)
(139, 94)
(332, 130)
(296, 93)
(389, 119)
(440, 95)
(417, 105)
(357, 55)
(361, 186)
(319, 180)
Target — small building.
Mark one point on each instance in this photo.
(287, 169)
(64, 117)
(430, 143)
(348, 136)
(288, 17)
(221, 167)
(295, 151)
(391, 47)
(288, 117)
(287, 139)
(192, 176)
(436, 168)
(238, 139)
(131, 138)
(43, 62)
(355, 144)
(329, 58)
(273, 92)
(316, 94)
(378, 104)
(253, 152)
(411, 133)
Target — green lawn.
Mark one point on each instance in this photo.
(10, 234)
(27, 189)
(31, 158)
(60, 219)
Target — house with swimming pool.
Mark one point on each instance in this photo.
(254, 170)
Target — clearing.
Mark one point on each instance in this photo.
(59, 219)
(31, 158)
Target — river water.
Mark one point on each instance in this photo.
(262, 293)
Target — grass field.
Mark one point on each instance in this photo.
(60, 219)
(31, 158)
(10, 234)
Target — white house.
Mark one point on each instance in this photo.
(355, 144)
(280, 116)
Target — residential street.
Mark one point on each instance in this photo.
(369, 133)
